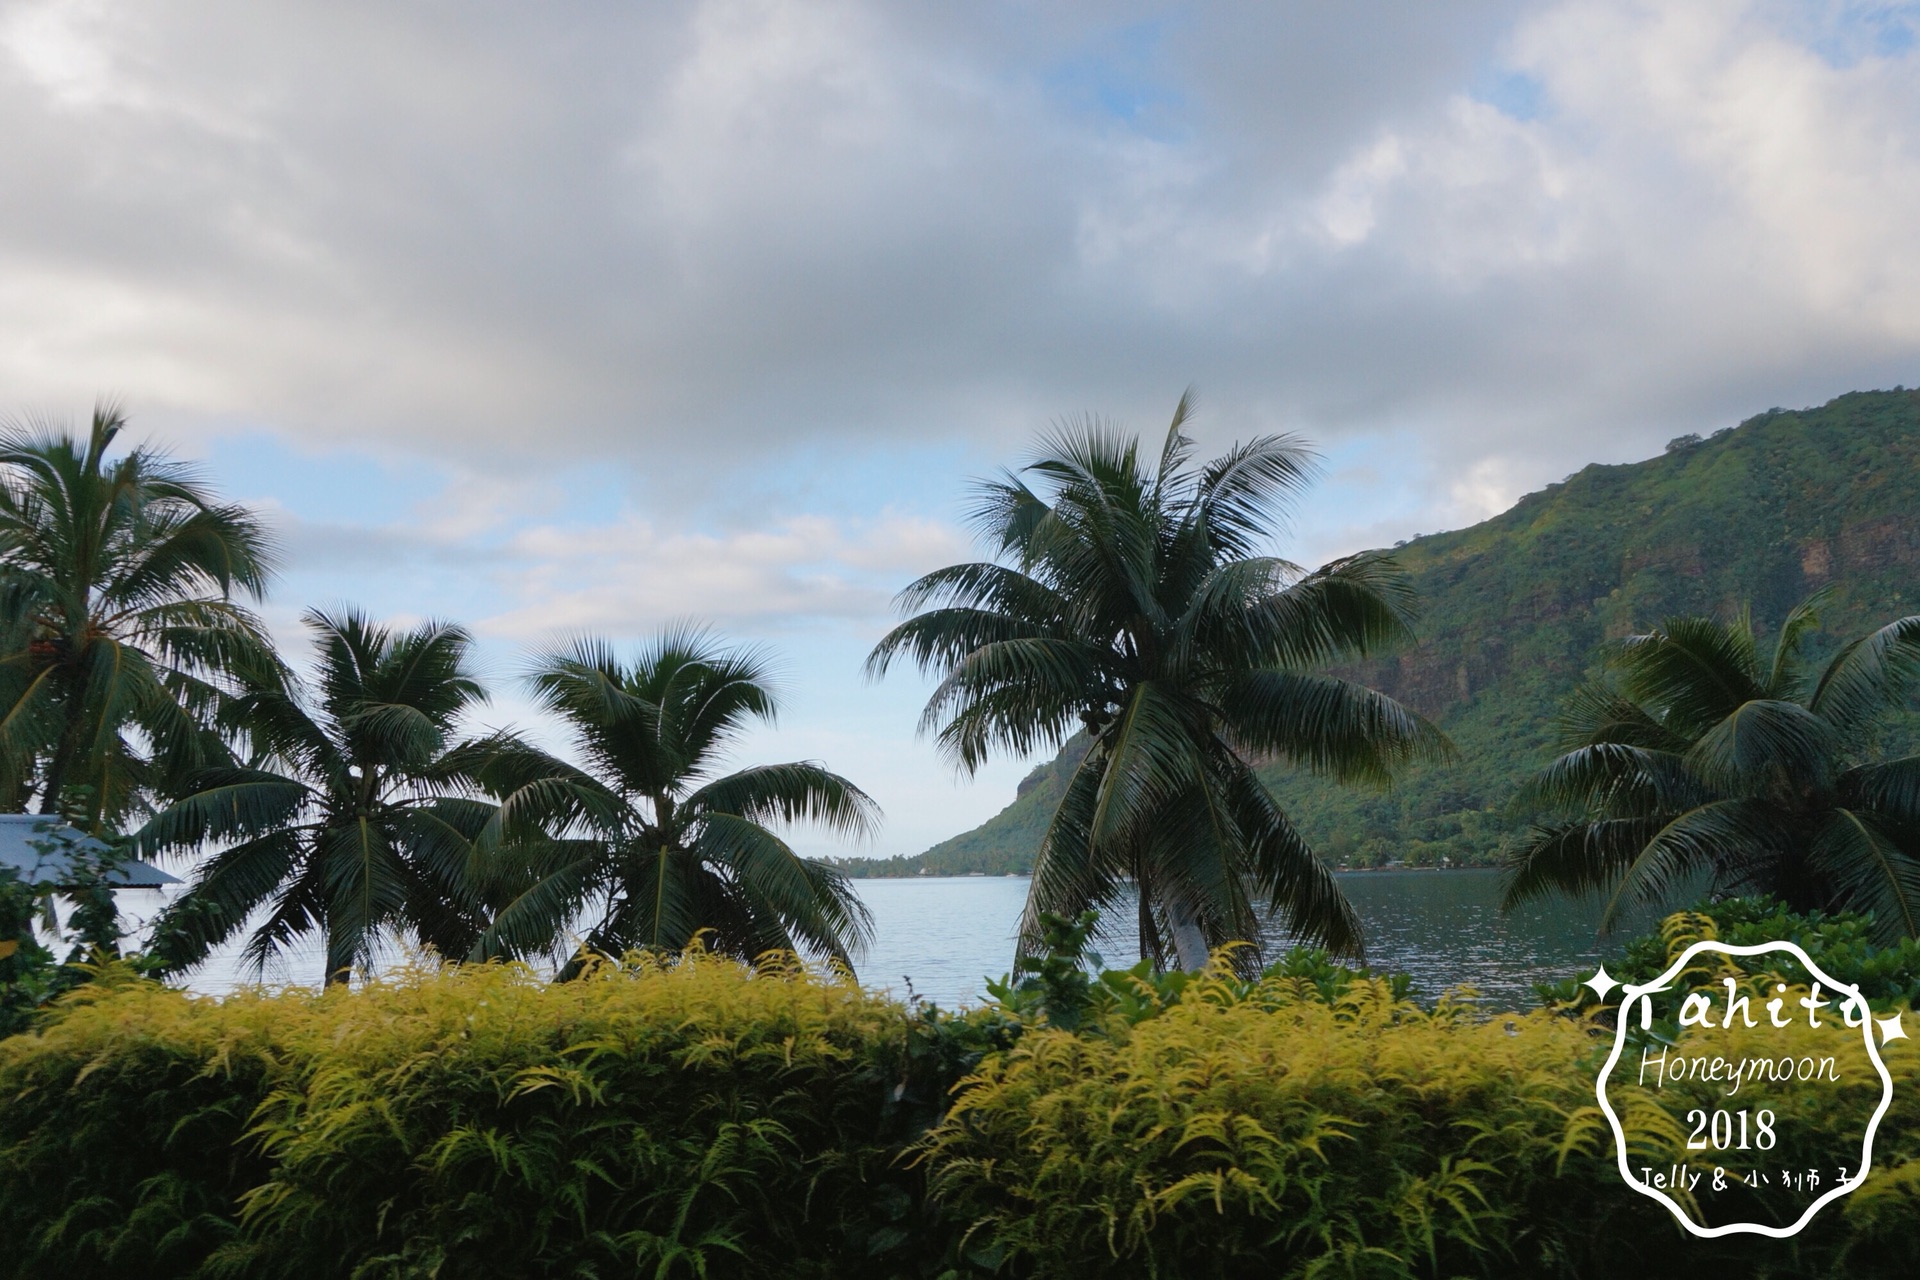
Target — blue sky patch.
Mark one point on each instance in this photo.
(1846, 34)
(1121, 78)
(1512, 93)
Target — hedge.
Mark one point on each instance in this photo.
(1261, 1130)
(702, 1118)
(474, 1121)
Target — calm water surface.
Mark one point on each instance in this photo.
(1445, 928)
(942, 937)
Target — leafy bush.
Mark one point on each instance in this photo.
(701, 1118)
(1841, 943)
(30, 974)
(1263, 1128)
(1065, 987)
(684, 1119)
(25, 965)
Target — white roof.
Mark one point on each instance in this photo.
(20, 832)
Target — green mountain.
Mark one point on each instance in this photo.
(1513, 610)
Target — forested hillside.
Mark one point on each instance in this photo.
(1514, 609)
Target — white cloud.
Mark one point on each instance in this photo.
(750, 263)
(630, 577)
(685, 241)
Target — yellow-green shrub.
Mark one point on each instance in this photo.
(473, 1122)
(701, 1118)
(1256, 1129)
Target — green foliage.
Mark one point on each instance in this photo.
(694, 1116)
(1334, 980)
(1067, 986)
(28, 974)
(645, 838)
(1134, 596)
(118, 627)
(1842, 943)
(1053, 984)
(682, 1118)
(1698, 754)
(1262, 1128)
(87, 865)
(1513, 610)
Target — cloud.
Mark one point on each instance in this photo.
(692, 242)
(521, 579)
(704, 307)
(678, 235)
(696, 239)
(630, 577)
(663, 231)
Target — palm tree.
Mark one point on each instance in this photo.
(356, 813)
(118, 624)
(1694, 755)
(653, 844)
(1136, 606)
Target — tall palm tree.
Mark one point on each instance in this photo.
(355, 814)
(118, 623)
(652, 842)
(1697, 755)
(1133, 601)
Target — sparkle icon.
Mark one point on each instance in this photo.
(1601, 982)
(1890, 1029)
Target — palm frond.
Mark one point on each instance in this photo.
(1693, 672)
(800, 791)
(1247, 495)
(1875, 867)
(814, 904)
(227, 889)
(1350, 608)
(1576, 858)
(548, 890)
(1069, 873)
(1869, 676)
(1766, 747)
(1726, 837)
(1328, 726)
(1890, 788)
(1299, 887)
(1612, 780)
(1784, 677)
(359, 869)
(1151, 759)
(224, 804)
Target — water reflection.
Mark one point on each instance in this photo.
(944, 936)
(1445, 928)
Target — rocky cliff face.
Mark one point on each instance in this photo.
(1868, 547)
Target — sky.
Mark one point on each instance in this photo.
(596, 318)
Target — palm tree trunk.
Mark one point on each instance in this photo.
(63, 756)
(339, 968)
(1149, 932)
(1189, 940)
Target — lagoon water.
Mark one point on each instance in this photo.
(1444, 928)
(943, 937)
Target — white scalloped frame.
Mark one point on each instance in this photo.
(1631, 992)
